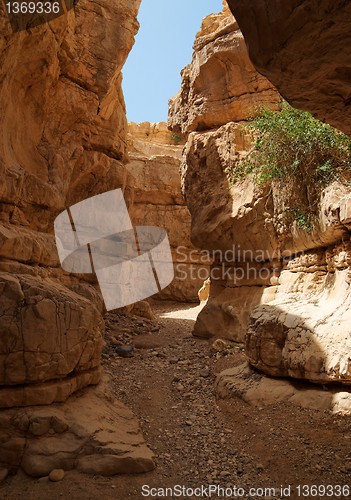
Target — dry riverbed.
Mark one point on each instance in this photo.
(198, 439)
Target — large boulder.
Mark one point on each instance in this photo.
(50, 341)
(92, 432)
(305, 332)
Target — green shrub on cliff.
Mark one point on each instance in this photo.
(293, 143)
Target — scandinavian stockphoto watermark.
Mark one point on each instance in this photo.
(26, 14)
(97, 236)
(234, 265)
(131, 264)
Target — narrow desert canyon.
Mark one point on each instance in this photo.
(131, 394)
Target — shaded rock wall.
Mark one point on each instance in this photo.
(300, 46)
(155, 155)
(278, 288)
(62, 139)
(72, 436)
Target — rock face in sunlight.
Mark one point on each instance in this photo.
(282, 289)
(221, 84)
(281, 38)
(62, 123)
(305, 331)
(48, 332)
(155, 155)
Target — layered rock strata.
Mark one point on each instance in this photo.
(93, 433)
(280, 288)
(63, 139)
(221, 84)
(299, 45)
(155, 155)
(246, 383)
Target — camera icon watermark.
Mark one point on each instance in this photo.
(97, 236)
(25, 14)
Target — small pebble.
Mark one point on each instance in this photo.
(56, 475)
(115, 341)
(225, 473)
(125, 351)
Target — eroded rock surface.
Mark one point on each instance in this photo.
(221, 84)
(93, 433)
(300, 326)
(259, 391)
(47, 333)
(155, 153)
(305, 332)
(279, 287)
(63, 139)
(299, 45)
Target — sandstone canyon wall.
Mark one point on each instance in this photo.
(221, 84)
(155, 155)
(63, 139)
(301, 47)
(281, 289)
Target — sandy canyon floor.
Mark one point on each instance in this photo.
(197, 439)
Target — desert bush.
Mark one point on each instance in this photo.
(293, 143)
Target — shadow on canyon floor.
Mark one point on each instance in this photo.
(197, 438)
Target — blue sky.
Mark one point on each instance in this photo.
(163, 47)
